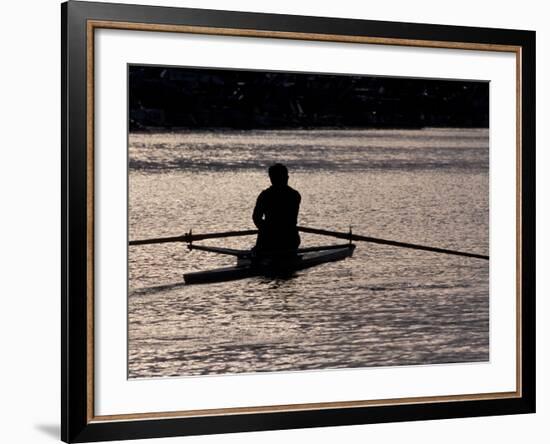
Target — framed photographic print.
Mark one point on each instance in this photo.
(277, 221)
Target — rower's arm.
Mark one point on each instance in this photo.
(258, 214)
(297, 207)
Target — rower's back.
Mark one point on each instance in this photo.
(276, 214)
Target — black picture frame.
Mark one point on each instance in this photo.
(78, 423)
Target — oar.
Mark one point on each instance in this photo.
(374, 240)
(190, 237)
(220, 250)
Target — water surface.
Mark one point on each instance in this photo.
(385, 306)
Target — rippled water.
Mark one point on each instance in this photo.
(384, 306)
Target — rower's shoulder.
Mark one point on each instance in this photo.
(276, 192)
(295, 192)
(265, 194)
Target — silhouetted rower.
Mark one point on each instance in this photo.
(276, 214)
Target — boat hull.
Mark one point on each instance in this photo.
(246, 268)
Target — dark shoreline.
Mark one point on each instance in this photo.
(218, 98)
(168, 130)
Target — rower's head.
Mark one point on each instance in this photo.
(278, 174)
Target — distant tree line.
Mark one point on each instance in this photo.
(161, 97)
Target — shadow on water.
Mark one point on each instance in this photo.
(275, 281)
(157, 288)
(51, 430)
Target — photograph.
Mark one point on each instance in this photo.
(303, 221)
